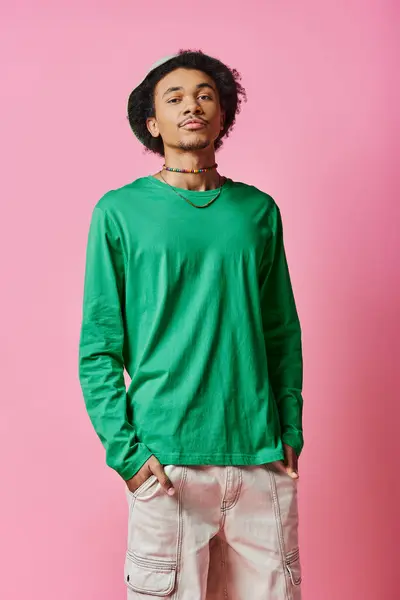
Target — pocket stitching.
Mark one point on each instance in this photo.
(167, 569)
(292, 559)
(149, 562)
(278, 521)
(143, 486)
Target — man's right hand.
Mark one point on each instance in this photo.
(151, 467)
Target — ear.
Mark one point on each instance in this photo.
(222, 120)
(152, 126)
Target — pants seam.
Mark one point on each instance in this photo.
(278, 522)
(224, 559)
(236, 498)
(132, 503)
(222, 520)
(180, 535)
(227, 482)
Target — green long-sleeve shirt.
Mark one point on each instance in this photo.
(198, 306)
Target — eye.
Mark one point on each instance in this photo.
(171, 101)
(205, 96)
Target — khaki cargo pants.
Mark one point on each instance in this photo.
(229, 533)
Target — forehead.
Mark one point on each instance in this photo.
(187, 79)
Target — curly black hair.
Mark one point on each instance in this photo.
(141, 100)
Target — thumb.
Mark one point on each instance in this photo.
(292, 472)
(164, 480)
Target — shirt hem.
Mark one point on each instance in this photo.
(241, 459)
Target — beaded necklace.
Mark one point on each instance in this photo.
(203, 170)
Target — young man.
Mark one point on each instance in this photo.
(187, 287)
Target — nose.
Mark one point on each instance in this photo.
(193, 108)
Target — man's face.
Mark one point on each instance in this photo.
(180, 96)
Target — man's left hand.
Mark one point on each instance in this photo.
(290, 463)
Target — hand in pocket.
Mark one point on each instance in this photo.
(151, 467)
(290, 464)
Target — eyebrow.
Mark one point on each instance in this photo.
(199, 86)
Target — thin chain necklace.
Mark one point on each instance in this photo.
(189, 201)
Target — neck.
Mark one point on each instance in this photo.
(191, 160)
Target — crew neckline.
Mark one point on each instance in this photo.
(190, 193)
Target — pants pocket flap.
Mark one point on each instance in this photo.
(293, 566)
(148, 576)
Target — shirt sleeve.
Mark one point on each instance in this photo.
(101, 362)
(282, 334)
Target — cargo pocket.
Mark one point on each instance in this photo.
(293, 566)
(152, 578)
(154, 538)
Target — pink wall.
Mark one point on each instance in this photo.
(317, 134)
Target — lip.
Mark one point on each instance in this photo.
(193, 124)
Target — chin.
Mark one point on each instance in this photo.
(195, 143)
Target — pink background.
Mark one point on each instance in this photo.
(318, 133)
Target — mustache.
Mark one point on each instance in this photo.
(195, 119)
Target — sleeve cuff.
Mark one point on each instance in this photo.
(134, 463)
(295, 440)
